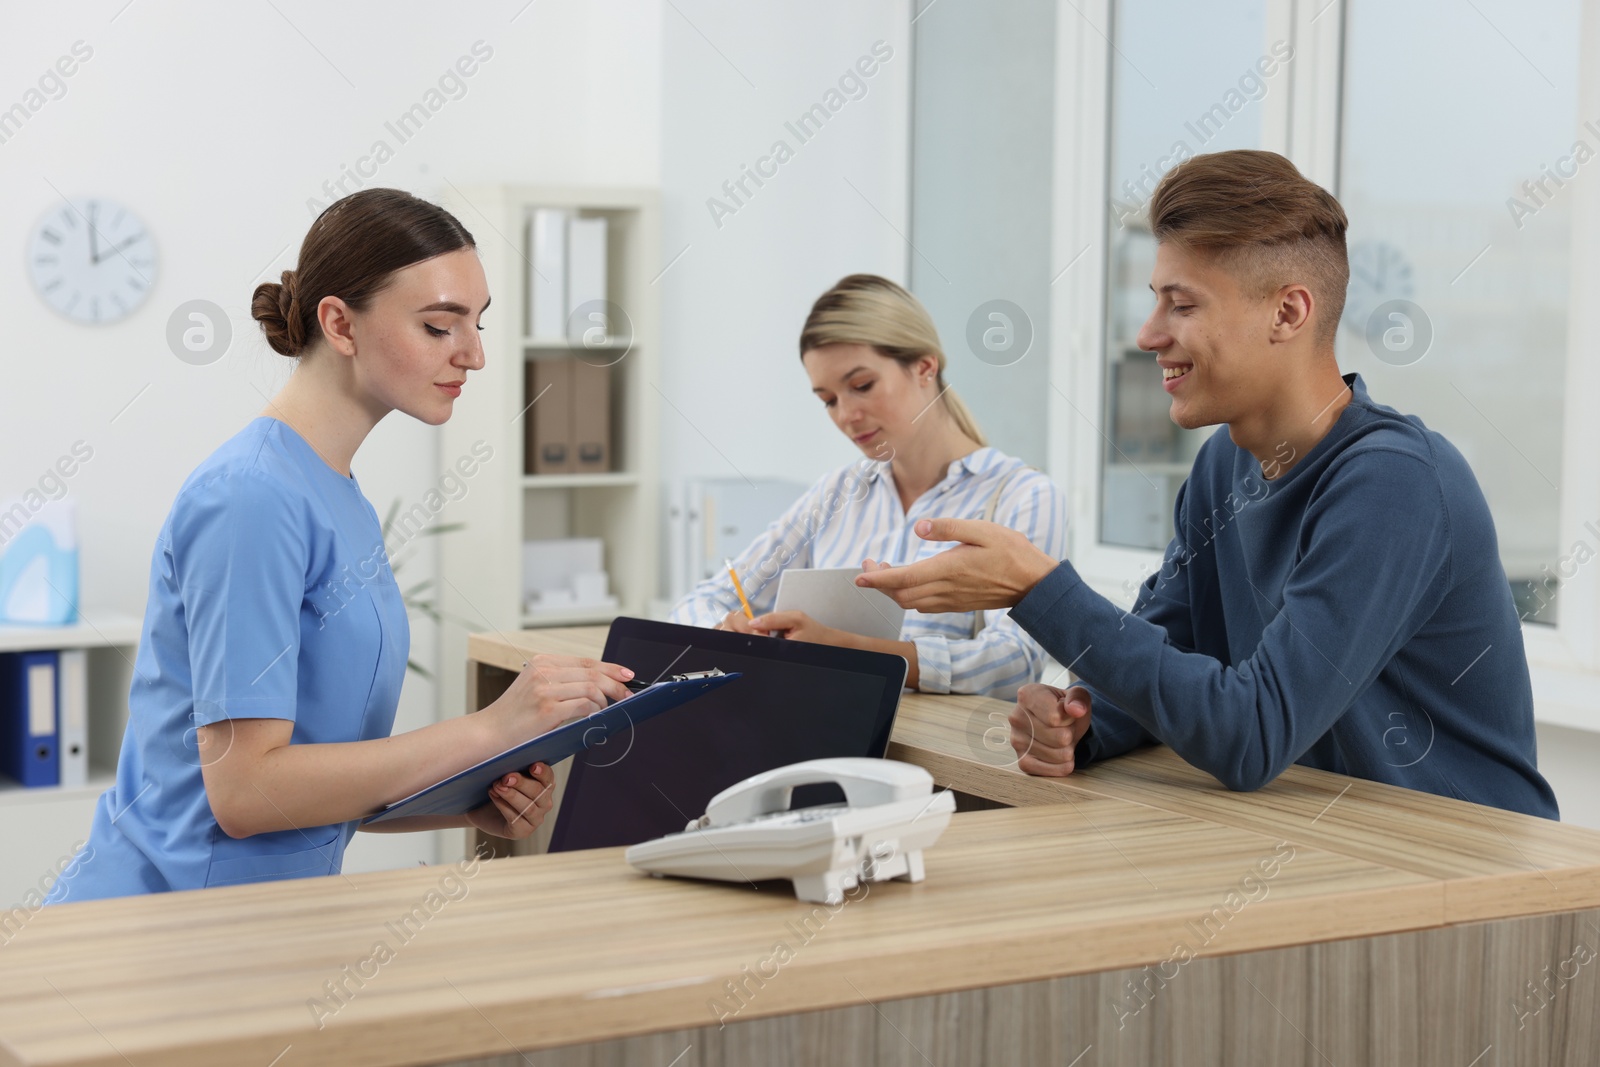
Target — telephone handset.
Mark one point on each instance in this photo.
(748, 833)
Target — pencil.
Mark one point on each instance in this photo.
(738, 588)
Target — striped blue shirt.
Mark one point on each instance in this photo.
(854, 513)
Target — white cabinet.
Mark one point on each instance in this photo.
(40, 828)
(480, 565)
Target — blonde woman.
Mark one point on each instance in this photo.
(874, 361)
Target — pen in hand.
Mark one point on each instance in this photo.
(738, 587)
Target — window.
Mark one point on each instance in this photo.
(982, 108)
(1185, 79)
(1460, 244)
(1459, 139)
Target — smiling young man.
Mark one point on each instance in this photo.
(1332, 595)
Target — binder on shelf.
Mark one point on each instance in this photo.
(693, 534)
(591, 418)
(551, 415)
(567, 427)
(723, 515)
(547, 275)
(587, 323)
(530, 417)
(29, 718)
(72, 689)
(676, 565)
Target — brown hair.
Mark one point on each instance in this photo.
(352, 251)
(1266, 222)
(864, 309)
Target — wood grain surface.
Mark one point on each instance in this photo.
(551, 950)
(1371, 920)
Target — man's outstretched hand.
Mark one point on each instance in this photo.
(1046, 726)
(994, 566)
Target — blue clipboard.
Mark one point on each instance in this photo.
(461, 793)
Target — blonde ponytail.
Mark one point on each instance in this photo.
(963, 418)
(864, 309)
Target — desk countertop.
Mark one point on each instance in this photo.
(547, 950)
(1492, 863)
(1114, 867)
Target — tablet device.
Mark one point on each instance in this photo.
(460, 793)
(831, 596)
(795, 701)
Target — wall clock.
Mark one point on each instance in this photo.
(1379, 272)
(92, 260)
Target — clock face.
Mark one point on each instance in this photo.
(1378, 272)
(92, 260)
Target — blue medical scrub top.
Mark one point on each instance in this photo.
(270, 597)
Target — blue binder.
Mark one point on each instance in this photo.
(30, 718)
(461, 793)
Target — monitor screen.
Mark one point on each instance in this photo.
(796, 701)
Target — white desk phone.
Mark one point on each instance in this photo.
(748, 833)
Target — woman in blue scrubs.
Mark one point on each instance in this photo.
(275, 639)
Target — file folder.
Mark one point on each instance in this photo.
(588, 321)
(72, 691)
(469, 789)
(29, 718)
(547, 274)
(591, 418)
(552, 416)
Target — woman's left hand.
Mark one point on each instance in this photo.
(798, 626)
(518, 803)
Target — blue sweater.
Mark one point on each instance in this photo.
(1351, 615)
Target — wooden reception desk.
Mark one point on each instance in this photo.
(1134, 913)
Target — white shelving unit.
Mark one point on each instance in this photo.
(39, 827)
(596, 616)
(578, 481)
(106, 630)
(480, 566)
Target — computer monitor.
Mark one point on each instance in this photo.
(797, 701)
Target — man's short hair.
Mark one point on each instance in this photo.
(1263, 220)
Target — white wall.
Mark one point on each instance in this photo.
(1567, 759)
(732, 75)
(216, 123)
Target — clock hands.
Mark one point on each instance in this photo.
(96, 256)
(118, 248)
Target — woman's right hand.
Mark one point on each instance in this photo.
(551, 690)
(736, 621)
